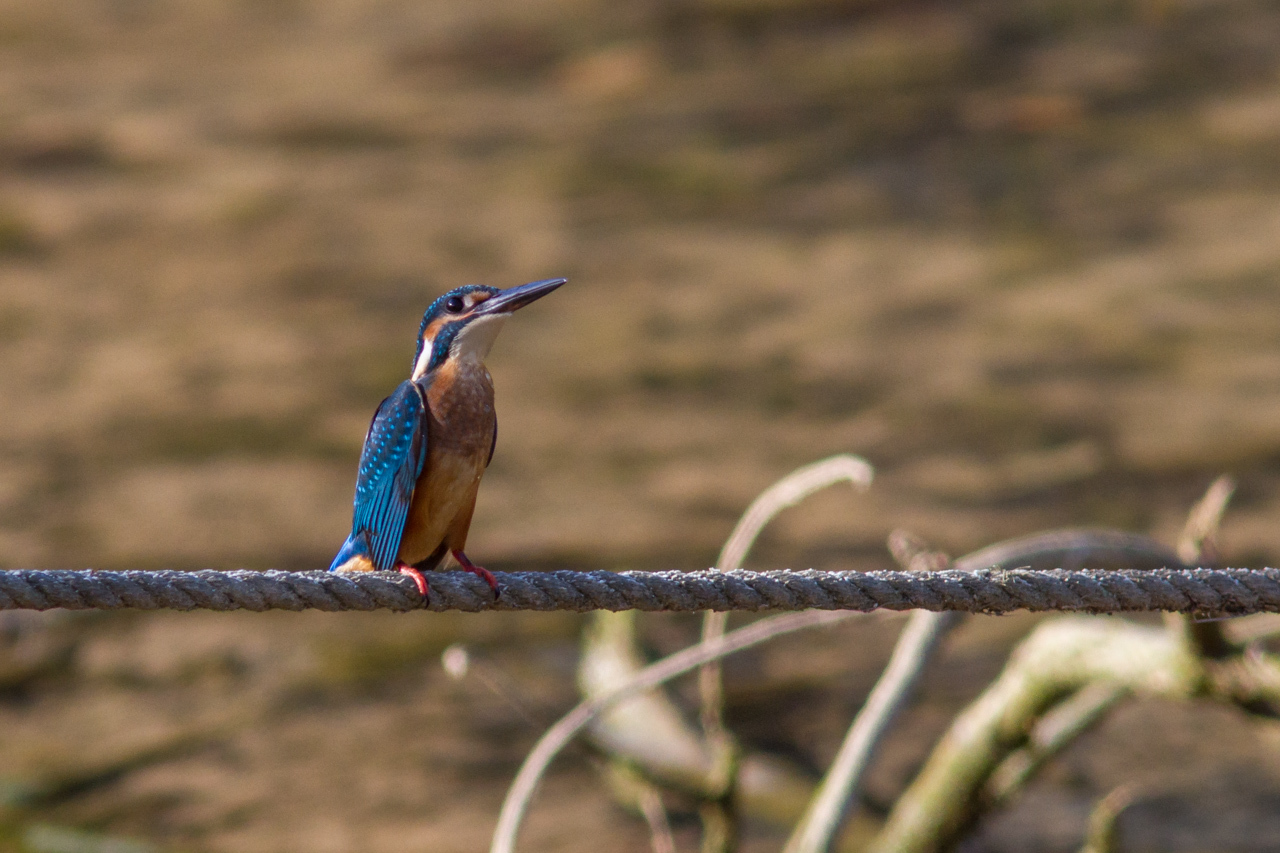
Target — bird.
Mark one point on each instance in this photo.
(430, 441)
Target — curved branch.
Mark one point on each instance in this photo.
(1058, 658)
(787, 492)
(550, 744)
(923, 632)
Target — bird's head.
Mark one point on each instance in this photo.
(463, 323)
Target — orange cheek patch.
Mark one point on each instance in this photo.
(433, 329)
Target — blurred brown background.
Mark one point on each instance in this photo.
(1020, 255)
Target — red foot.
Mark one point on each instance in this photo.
(406, 569)
(476, 570)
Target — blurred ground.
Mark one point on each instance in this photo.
(1020, 255)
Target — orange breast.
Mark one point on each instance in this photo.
(460, 431)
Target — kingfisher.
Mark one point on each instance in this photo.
(431, 440)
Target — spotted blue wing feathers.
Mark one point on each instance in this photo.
(395, 449)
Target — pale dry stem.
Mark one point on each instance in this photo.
(655, 815)
(1058, 658)
(787, 492)
(1051, 734)
(1102, 832)
(1198, 546)
(923, 632)
(559, 735)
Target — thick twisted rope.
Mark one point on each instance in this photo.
(1233, 591)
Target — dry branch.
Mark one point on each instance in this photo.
(787, 492)
(922, 634)
(559, 735)
(1058, 658)
(1051, 734)
(1198, 545)
(1101, 834)
(649, 734)
(919, 638)
(925, 631)
(631, 789)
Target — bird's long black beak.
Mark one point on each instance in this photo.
(517, 297)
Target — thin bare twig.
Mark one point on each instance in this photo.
(655, 814)
(1243, 630)
(459, 662)
(650, 736)
(1199, 541)
(1058, 727)
(915, 646)
(787, 492)
(632, 790)
(914, 554)
(1101, 834)
(1198, 546)
(550, 744)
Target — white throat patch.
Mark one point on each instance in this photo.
(476, 338)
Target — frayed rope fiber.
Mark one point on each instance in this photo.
(1184, 590)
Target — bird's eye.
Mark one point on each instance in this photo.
(453, 304)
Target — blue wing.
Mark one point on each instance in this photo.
(395, 449)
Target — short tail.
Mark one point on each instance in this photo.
(354, 548)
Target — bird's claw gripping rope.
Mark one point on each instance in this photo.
(418, 578)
